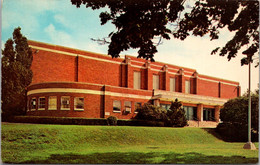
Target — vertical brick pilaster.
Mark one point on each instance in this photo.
(166, 78)
(217, 113)
(219, 90)
(196, 82)
(149, 75)
(200, 112)
(77, 69)
(181, 81)
(130, 78)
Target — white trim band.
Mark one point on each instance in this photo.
(74, 54)
(85, 91)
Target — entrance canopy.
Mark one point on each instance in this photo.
(187, 98)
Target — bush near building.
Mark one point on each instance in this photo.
(234, 115)
(175, 116)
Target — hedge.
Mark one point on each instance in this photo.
(81, 121)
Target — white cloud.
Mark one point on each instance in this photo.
(58, 37)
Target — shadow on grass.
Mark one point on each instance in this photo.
(141, 158)
(213, 132)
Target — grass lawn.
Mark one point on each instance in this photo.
(43, 144)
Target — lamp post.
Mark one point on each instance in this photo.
(249, 144)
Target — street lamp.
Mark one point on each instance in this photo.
(249, 144)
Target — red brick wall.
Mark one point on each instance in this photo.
(48, 67)
(99, 72)
(208, 88)
(52, 66)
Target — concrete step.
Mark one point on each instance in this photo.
(211, 124)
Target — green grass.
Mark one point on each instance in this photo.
(42, 144)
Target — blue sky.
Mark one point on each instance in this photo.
(59, 22)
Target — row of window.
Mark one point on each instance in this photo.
(156, 82)
(127, 106)
(52, 103)
(191, 112)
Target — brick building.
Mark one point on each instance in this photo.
(74, 83)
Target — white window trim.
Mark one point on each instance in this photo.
(115, 111)
(35, 103)
(155, 86)
(188, 91)
(173, 85)
(128, 107)
(79, 109)
(41, 109)
(64, 109)
(137, 80)
(52, 109)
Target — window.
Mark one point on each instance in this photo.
(137, 105)
(156, 83)
(33, 104)
(52, 103)
(116, 106)
(137, 80)
(65, 103)
(172, 84)
(41, 103)
(165, 106)
(79, 103)
(28, 105)
(128, 106)
(190, 112)
(208, 114)
(187, 86)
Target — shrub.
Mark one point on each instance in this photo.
(176, 115)
(151, 113)
(234, 115)
(111, 120)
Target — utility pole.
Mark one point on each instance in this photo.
(249, 144)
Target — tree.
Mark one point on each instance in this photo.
(139, 23)
(234, 115)
(176, 115)
(16, 74)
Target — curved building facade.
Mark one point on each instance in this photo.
(74, 83)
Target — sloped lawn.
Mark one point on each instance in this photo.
(43, 144)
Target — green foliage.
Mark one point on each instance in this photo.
(139, 23)
(176, 115)
(16, 74)
(173, 117)
(234, 115)
(208, 17)
(111, 120)
(151, 113)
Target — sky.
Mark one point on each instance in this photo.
(61, 23)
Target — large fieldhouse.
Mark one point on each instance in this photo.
(69, 82)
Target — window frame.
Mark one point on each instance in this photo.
(117, 111)
(39, 103)
(156, 77)
(125, 107)
(62, 108)
(33, 109)
(79, 109)
(138, 81)
(172, 84)
(187, 83)
(51, 108)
